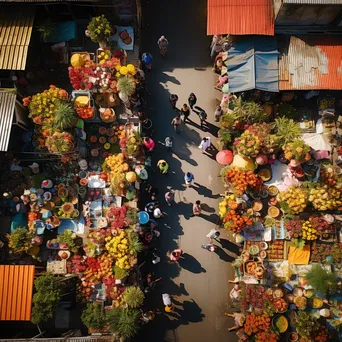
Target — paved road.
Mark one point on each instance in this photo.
(201, 282)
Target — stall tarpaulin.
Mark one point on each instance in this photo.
(253, 64)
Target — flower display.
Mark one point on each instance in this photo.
(99, 29)
(59, 142)
(42, 105)
(296, 150)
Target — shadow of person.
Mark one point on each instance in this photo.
(192, 312)
(205, 207)
(164, 78)
(204, 191)
(232, 247)
(213, 218)
(191, 264)
(223, 255)
(184, 153)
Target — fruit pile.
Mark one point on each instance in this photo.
(295, 199)
(248, 144)
(325, 198)
(256, 323)
(115, 165)
(241, 179)
(296, 150)
(118, 247)
(236, 221)
(252, 297)
(85, 113)
(328, 176)
(98, 268)
(76, 264)
(228, 202)
(120, 131)
(267, 336)
(309, 233)
(294, 227)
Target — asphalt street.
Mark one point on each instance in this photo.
(199, 284)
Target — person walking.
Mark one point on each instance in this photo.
(149, 144)
(152, 191)
(168, 143)
(185, 111)
(176, 255)
(196, 209)
(169, 307)
(163, 166)
(176, 121)
(189, 178)
(203, 117)
(147, 60)
(218, 113)
(192, 99)
(163, 46)
(169, 197)
(209, 247)
(173, 100)
(157, 213)
(213, 235)
(205, 144)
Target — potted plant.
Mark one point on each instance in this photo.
(67, 239)
(20, 240)
(94, 317)
(133, 144)
(48, 294)
(133, 297)
(47, 30)
(248, 144)
(99, 30)
(126, 85)
(286, 130)
(64, 116)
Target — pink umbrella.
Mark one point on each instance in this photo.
(224, 157)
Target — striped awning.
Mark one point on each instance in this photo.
(7, 106)
(16, 289)
(15, 34)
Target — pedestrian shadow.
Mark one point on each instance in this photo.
(232, 247)
(205, 207)
(223, 255)
(184, 153)
(164, 78)
(204, 191)
(191, 312)
(191, 264)
(213, 218)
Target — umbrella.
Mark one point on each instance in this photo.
(224, 157)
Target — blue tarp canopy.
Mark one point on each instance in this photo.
(253, 64)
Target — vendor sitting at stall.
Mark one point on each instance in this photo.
(151, 206)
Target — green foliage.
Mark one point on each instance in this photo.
(298, 243)
(64, 116)
(135, 244)
(126, 85)
(94, 317)
(67, 238)
(286, 110)
(99, 29)
(123, 321)
(47, 30)
(20, 240)
(119, 273)
(286, 130)
(225, 137)
(321, 280)
(47, 296)
(305, 324)
(133, 297)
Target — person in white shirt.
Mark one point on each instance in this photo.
(168, 143)
(205, 143)
(213, 235)
(157, 213)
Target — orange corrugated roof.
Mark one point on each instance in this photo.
(16, 287)
(310, 62)
(240, 17)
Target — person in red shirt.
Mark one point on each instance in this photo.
(176, 254)
(149, 144)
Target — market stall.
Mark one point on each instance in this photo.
(282, 204)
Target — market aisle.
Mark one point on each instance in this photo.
(201, 282)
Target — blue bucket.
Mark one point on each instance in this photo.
(143, 217)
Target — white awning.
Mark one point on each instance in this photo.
(7, 105)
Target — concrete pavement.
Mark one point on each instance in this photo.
(200, 282)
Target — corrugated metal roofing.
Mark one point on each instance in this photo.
(313, 2)
(240, 17)
(7, 105)
(37, 1)
(15, 35)
(310, 62)
(16, 287)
